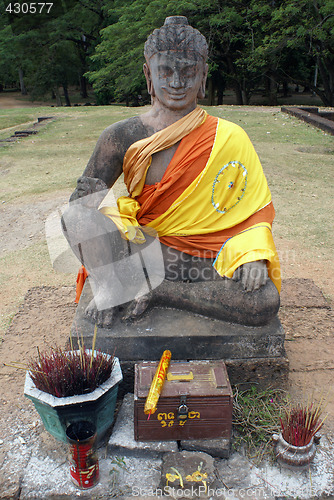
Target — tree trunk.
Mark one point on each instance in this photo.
(238, 94)
(247, 98)
(83, 87)
(23, 88)
(236, 84)
(58, 98)
(220, 95)
(246, 94)
(211, 93)
(220, 85)
(271, 89)
(327, 76)
(67, 99)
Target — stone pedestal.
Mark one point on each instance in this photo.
(253, 354)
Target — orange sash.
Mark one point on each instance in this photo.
(188, 161)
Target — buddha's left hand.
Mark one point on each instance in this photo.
(252, 275)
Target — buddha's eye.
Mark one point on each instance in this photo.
(189, 71)
(165, 72)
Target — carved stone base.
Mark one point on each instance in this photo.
(253, 354)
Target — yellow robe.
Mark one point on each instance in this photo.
(230, 188)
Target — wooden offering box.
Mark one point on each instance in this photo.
(196, 402)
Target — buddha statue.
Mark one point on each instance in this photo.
(194, 231)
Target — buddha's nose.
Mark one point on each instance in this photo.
(176, 81)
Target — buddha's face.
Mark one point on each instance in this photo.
(176, 79)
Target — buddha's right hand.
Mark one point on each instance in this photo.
(252, 275)
(90, 191)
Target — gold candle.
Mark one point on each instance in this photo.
(157, 384)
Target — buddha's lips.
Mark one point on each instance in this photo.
(173, 95)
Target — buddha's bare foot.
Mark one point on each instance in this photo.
(102, 318)
(137, 307)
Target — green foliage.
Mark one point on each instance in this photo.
(305, 28)
(9, 59)
(119, 57)
(256, 415)
(52, 53)
(252, 44)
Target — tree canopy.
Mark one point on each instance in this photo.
(252, 44)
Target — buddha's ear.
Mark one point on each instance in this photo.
(147, 73)
(201, 90)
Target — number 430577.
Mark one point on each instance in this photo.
(28, 8)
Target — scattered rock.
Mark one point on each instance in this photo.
(26, 133)
(219, 448)
(192, 472)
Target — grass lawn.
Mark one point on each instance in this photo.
(297, 160)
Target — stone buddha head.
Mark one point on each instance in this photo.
(176, 67)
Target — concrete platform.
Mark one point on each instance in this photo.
(37, 468)
(253, 354)
(192, 336)
(311, 115)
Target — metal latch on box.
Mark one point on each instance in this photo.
(182, 411)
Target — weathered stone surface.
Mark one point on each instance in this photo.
(191, 336)
(221, 299)
(133, 476)
(312, 116)
(253, 354)
(235, 472)
(190, 473)
(27, 133)
(48, 478)
(122, 438)
(10, 487)
(44, 472)
(219, 448)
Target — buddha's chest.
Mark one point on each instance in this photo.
(159, 164)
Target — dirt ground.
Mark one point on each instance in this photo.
(46, 314)
(14, 100)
